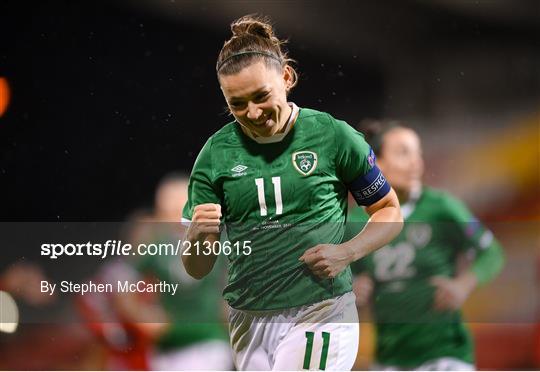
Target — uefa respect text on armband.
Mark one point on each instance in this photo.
(119, 248)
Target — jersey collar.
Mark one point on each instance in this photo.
(408, 208)
(278, 137)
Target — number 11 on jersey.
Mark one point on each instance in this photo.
(277, 193)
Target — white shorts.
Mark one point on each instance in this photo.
(206, 355)
(439, 364)
(320, 336)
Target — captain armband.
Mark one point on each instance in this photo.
(370, 187)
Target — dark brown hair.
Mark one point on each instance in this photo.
(375, 129)
(253, 40)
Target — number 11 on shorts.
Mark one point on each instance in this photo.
(309, 349)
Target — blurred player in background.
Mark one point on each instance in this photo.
(126, 325)
(22, 279)
(278, 177)
(153, 331)
(114, 320)
(195, 337)
(416, 282)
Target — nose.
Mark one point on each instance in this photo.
(253, 111)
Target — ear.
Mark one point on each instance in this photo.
(288, 77)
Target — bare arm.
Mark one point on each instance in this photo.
(451, 293)
(385, 223)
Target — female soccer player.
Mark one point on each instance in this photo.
(277, 177)
(416, 283)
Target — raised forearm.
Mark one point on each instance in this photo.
(196, 263)
(202, 233)
(383, 226)
(468, 281)
(381, 229)
(488, 262)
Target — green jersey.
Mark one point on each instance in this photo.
(282, 198)
(437, 228)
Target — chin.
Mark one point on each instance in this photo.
(267, 132)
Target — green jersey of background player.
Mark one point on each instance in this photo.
(278, 177)
(415, 281)
(194, 336)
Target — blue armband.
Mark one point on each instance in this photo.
(370, 187)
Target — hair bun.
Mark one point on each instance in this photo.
(253, 25)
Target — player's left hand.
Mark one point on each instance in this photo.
(450, 294)
(327, 260)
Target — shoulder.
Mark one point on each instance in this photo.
(434, 195)
(326, 121)
(207, 154)
(319, 116)
(309, 113)
(439, 196)
(448, 205)
(224, 133)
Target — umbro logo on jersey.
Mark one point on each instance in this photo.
(239, 170)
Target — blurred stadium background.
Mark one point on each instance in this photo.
(100, 99)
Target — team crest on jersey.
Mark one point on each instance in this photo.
(419, 234)
(304, 162)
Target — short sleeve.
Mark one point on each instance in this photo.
(201, 188)
(353, 153)
(355, 166)
(476, 239)
(471, 232)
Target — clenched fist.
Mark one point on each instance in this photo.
(327, 260)
(204, 227)
(205, 219)
(451, 293)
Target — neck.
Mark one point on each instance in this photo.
(403, 195)
(285, 119)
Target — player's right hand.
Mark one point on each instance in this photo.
(363, 289)
(206, 218)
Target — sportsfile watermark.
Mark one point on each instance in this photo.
(120, 248)
(98, 266)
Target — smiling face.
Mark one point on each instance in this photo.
(257, 97)
(401, 159)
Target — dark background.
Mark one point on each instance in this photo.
(107, 97)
